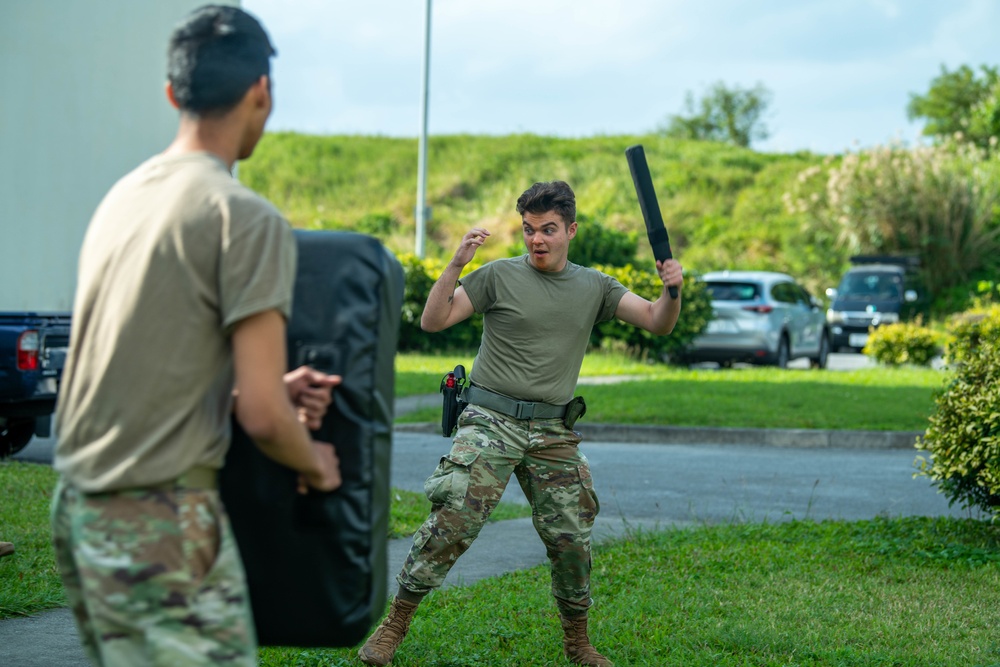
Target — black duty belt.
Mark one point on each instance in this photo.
(508, 406)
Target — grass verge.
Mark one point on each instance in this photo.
(29, 580)
(877, 399)
(910, 592)
(913, 592)
(409, 509)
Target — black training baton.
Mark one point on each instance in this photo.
(655, 230)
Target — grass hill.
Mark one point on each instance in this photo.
(722, 204)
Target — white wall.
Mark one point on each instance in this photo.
(82, 104)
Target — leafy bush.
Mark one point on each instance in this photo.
(902, 343)
(696, 311)
(420, 275)
(596, 243)
(963, 438)
(971, 331)
(940, 203)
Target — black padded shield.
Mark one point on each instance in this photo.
(316, 565)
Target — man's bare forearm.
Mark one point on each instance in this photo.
(664, 313)
(275, 427)
(440, 299)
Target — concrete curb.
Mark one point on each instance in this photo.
(687, 435)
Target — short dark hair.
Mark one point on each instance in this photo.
(550, 196)
(216, 54)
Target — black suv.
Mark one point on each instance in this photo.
(869, 295)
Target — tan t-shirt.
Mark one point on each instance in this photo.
(536, 325)
(176, 254)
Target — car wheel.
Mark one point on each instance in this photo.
(15, 436)
(781, 360)
(821, 359)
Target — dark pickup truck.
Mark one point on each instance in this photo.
(33, 350)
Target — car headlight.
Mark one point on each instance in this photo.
(834, 316)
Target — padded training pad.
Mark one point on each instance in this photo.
(316, 564)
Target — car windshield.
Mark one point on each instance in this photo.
(731, 291)
(882, 286)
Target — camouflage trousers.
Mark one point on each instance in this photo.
(468, 484)
(153, 577)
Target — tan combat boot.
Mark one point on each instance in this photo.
(382, 645)
(576, 643)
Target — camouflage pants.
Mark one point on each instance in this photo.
(153, 577)
(468, 484)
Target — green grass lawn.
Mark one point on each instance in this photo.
(880, 399)
(912, 592)
(29, 581)
(909, 592)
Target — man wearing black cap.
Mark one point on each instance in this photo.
(184, 287)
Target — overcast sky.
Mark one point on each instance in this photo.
(840, 71)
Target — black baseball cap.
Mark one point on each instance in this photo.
(215, 54)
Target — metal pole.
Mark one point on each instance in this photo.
(422, 208)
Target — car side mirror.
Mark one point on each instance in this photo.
(910, 296)
(831, 292)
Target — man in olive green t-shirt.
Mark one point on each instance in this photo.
(184, 287)
(538, 311)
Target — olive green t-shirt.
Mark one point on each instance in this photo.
(536, 325)
(176, 254)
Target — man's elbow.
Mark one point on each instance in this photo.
(663, 330)
(427, 325)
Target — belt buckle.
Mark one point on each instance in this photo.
(524, 410)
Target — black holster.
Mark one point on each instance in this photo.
(452, 385)
(574, 410)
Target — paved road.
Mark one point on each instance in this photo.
(703, 482)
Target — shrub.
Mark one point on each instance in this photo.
(596, 243)
(696, 311)
(902, 343)
(420, 275)
(970, 331)
(963, 438)
(939, 203)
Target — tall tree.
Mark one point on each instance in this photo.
(962, 101)
(727, 114)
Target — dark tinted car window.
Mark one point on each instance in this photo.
(733, 291)
(886, 286)
(784, 292)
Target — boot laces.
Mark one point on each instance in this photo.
(392, 629)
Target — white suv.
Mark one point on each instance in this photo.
(761, 317)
